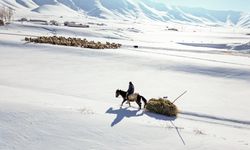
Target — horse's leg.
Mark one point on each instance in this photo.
(144, 100)
(138, 101)
(124, 100)
(128, 102)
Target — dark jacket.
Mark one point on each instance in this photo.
(130, 89)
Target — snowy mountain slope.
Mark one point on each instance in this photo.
(53, 9)
(244, 20)
(60, 98)
(139, 9)
(28, 4)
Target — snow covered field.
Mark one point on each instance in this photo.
(61, 98)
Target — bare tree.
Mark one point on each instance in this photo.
(1, 16)
(6, 14)
(1, 13)
(9, 14)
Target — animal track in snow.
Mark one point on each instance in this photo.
(86, 111)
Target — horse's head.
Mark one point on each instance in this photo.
(117, 93)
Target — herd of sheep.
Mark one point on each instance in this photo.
(76, 42)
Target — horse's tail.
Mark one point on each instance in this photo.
(144, 100)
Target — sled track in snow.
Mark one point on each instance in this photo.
(18, 34)
(185, 56)
(236, 123)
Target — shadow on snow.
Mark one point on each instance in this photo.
(122, 113)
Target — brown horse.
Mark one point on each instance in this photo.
(131, 98)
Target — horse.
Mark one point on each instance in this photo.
(131, 98)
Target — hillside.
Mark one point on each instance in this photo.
(132, 10)
(63, 98)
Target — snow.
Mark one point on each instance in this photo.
(60, 98)
(28, 4)
(56, 97)
(140, 10)
(48, 9)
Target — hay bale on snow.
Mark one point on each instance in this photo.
(162, 106)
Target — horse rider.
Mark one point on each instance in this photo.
(130, 90)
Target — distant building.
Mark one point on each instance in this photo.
(172, 29)
(44, 22)
(53, 22)
(23, 19)
(74, 24)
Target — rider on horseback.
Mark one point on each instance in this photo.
(130, 96)
(130, 90)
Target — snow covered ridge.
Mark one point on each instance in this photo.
(132, 10)
(63, 98)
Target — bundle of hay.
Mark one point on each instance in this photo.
(162, 106)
